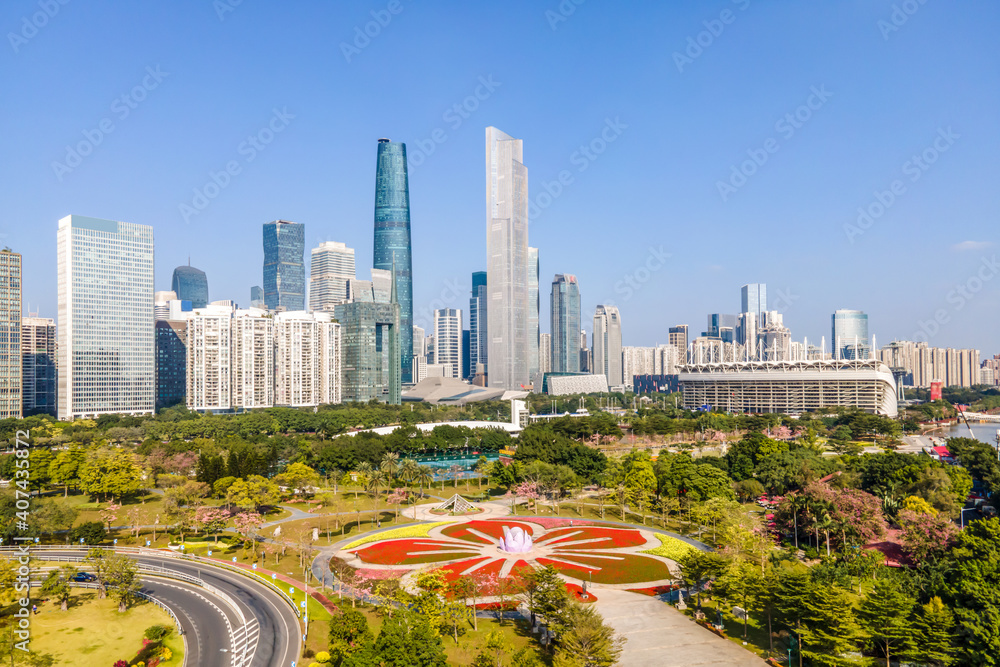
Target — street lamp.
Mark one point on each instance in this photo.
(962, 514)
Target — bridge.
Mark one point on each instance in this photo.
(982, 417)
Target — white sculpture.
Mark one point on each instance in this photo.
(516, 540)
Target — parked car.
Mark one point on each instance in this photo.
(83, 576)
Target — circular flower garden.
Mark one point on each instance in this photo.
(604, 554)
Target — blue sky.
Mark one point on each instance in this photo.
(668, 109)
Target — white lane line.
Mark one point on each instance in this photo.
(225, 617)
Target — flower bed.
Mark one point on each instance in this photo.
(418, 530)
(487, 574)
(371, 573)
(556, 522)
(608, 538)
(576, 592)
(410, 551)
(492, 528)
(654, 590)
(670, 547)
(624, 569)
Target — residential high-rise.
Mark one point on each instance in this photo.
(534, 303)
(608, 344)
(252, 375)
(478, 334)
(284, 265)
(678, 337)
(38, 366)
(370, 348)
(506, 261)
(849, 334)
(753, 298)
(257, 297)
(171, 362)
(190, 284)
(209, 359)
(10, 335)
(331, 266)
(161, 304)
(545, 353)
(392, 239)
(448, 340)
(296, 359)
(565, 324)
(107, 361)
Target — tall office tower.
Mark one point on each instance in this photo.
(753, 298)
(257, 297)
(849, 331)
(717, 322)
(746, 334)
(429, 345)
(370, 347)
(209, 358)
(478, 338)
(506, 261)
(252, 375)
(330, 355)
(678, 337)
(296, 359)
(331, 266)
(190, 284)
(392, 239)
(586, 354)
(545, 353)
(467, 370)
(171, 362)
(38, 366)
(284, 267)
(565, 324)
(10, 335)
(419, 342)
(608, 344)
(448, 340)
(107, 361)
(534, 304)
(161, 304)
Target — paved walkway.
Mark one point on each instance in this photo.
(659, 635)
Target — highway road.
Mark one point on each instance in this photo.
(261, 631)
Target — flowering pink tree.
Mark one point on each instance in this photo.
(183, 463)
(109, 514)
(398, 497)
(213, 519)
(852, 515)
(926, 536)
(247, 524)
(528, 490)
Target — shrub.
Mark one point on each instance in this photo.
(91, 532)
(670, 547)
(323, 657)
(420, 530)
(156, 632)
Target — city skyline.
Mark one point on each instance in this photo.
(817, 175)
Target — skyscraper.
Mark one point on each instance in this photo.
(370, 347)
(38, 366)
(284, 267)
(252, 375)
(209, 359)
(678, 337)
(608, 344)
(849, 334)
(534, 303)
(331, 266)
(171, 362)
(448, 340)
(106, 351)
(10, 334)
(392, 239)
(190, 284)
(544, 353)
(478, 335)
(753, 298)
(565, 324)
(507, 261)
(256, 297)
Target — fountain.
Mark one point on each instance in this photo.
(516, 540)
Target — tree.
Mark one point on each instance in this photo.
(56, 585)
(349, 633)
(389, 466)
(122, 579)
(926, 536)
(424, 476)
(253, 492)
(587, 641)
(110, 473)
(297, 477)
(933, 635)
(973, 591)
(247, 524)
(492, 655)
(213, 519)
(884, 615)
(65, 467)
(829, 628)
(544, 593)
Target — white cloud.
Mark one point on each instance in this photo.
(972, 245)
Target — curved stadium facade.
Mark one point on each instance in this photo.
(789, 387)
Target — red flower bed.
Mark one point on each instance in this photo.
(491, 528)
(453, 571)
(556, 522)
(609, 538)
(577, 594)
(631, 568)
(654, 590)
(488, 572)
(398, 552)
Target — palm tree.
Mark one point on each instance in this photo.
(375, 481)
(390, 466)
(364, 472)
(335, 474)
(455, 469)
(408, 469)
(424, 476)
(483, 470)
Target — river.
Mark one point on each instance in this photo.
(985, 432)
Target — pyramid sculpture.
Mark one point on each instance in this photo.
(456, 504)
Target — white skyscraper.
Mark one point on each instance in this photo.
(534, 304)
(105, 294)
(330, 355)
(331, 266)
(296, 359)
(608, 344)
(209, 358)
(252, 359)
(448, 340)
(506, 261)
(545, 353)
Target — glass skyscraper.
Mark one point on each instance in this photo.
(107, 361)
(534, 304)
(284, 267)
(392, 239)
(370, 347)
(507, 261)
(331, 267)
(10, 334)
(190, 284)
(753, 299)
(849, 334)
(478, 340)
(38, 367)
(565, 324)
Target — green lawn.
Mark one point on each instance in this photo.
(92, 632)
